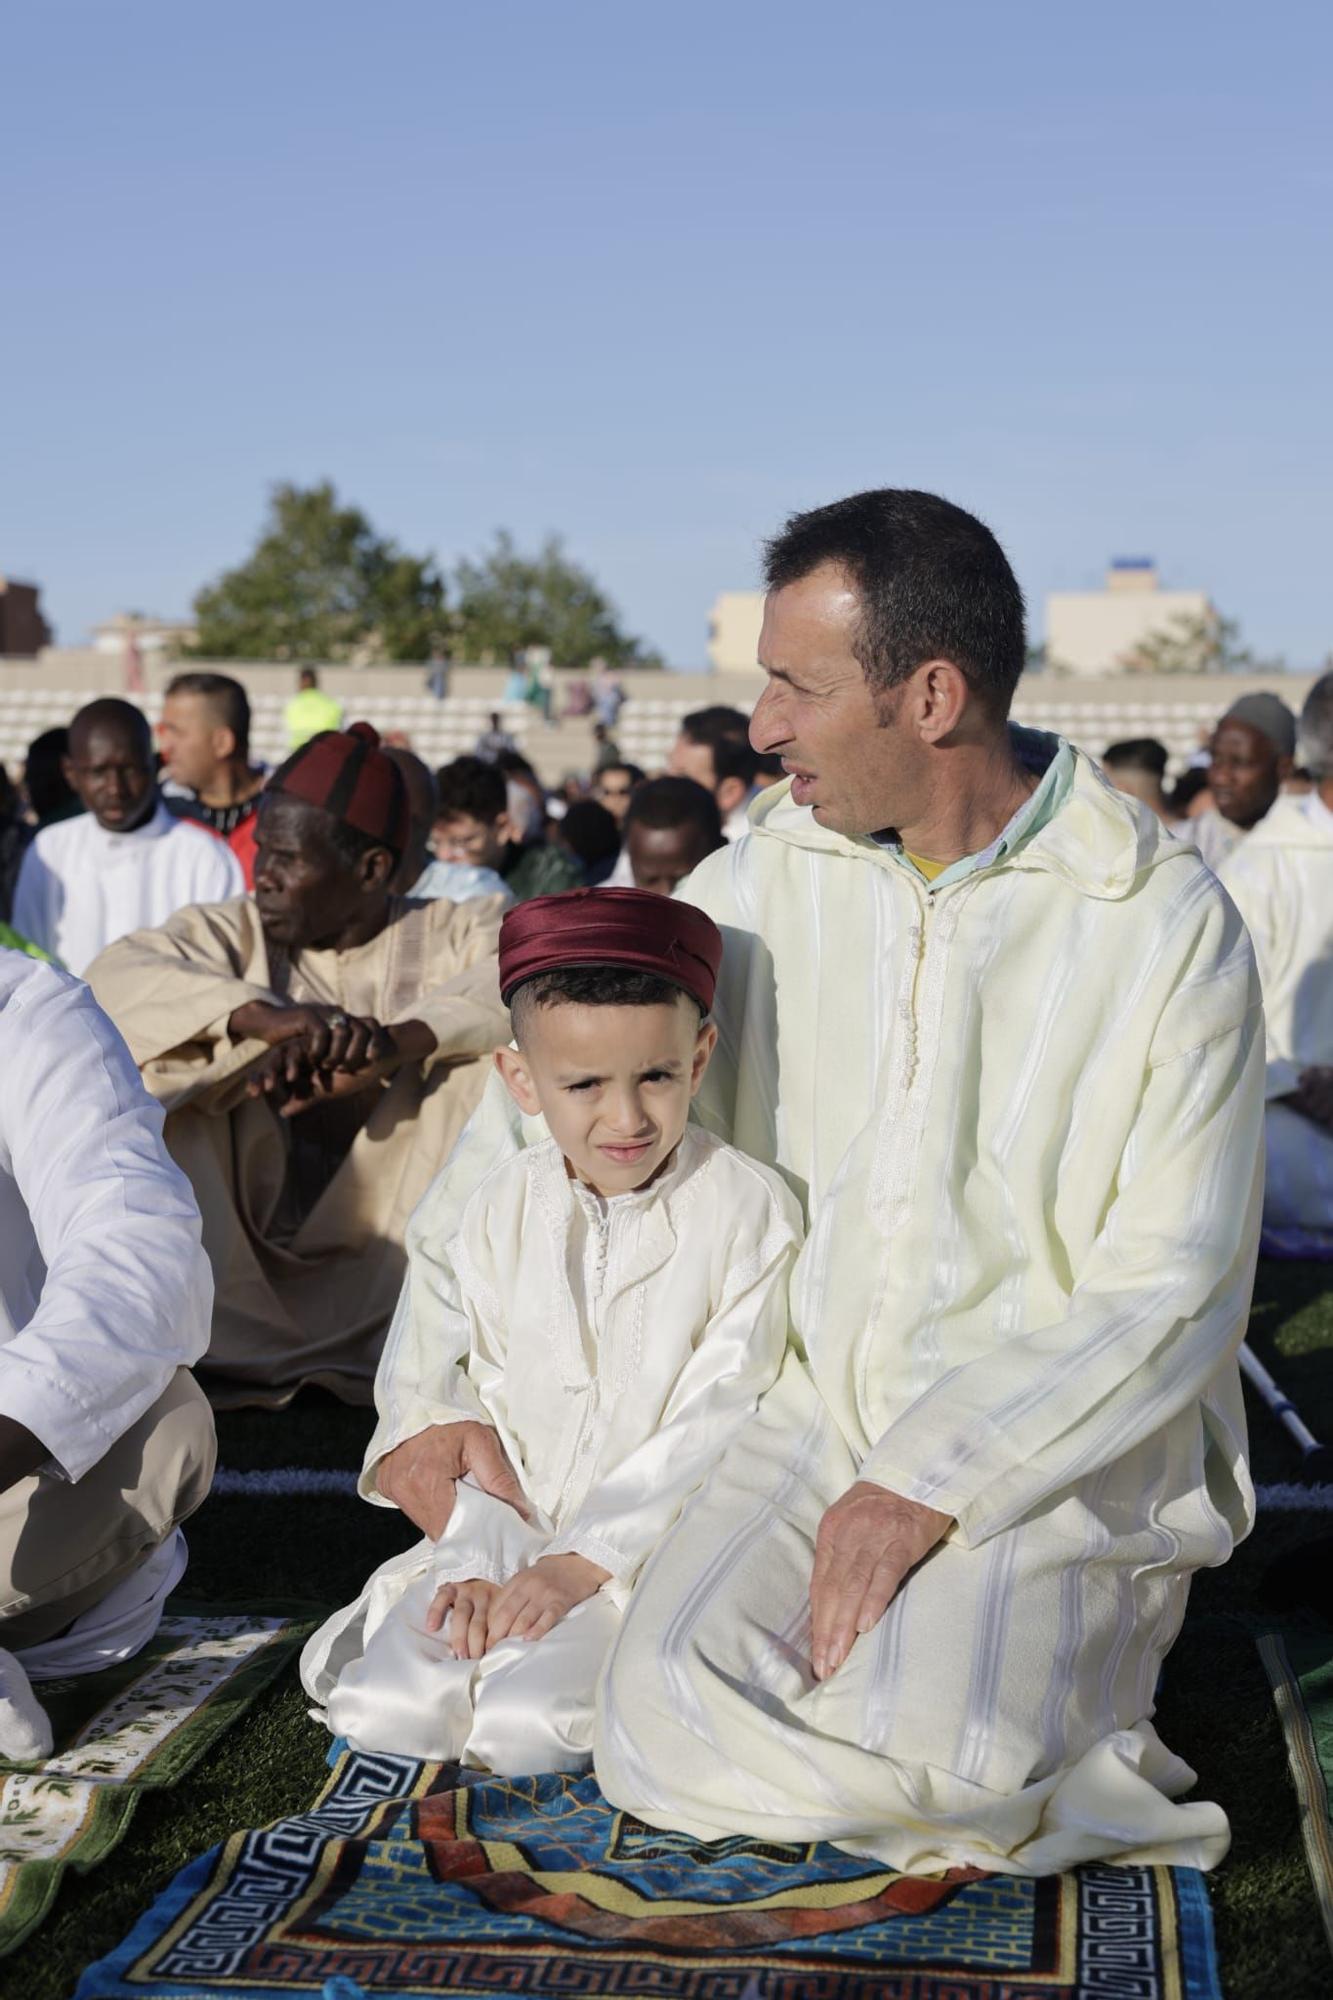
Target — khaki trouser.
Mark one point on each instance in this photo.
(63, 1546)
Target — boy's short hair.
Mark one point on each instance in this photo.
(594, 986)
(471, 788)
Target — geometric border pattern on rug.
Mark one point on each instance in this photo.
(416, 1879)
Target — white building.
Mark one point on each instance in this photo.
(1091, 632)
(733, 631)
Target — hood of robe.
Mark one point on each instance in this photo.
(1290, 822)
(1098, 838)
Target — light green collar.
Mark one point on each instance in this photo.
(1050, 755)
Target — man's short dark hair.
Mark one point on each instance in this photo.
(934, 584)
(672, 802)
(589, 831)
(229, 701)
(473, 788)
(631, 771)
(726, 732)
(1138, 753)
(592, 986)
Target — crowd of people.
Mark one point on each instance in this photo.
(831, 1167)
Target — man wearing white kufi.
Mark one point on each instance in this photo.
(1003, 1035)
(1281, 880)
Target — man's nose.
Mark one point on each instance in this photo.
(767, 729)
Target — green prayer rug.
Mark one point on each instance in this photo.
(1299, 1665)
(135, 1727)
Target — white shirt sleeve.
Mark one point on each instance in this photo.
(33, 916)
(128, 1293)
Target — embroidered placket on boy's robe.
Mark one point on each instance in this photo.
(616, 1346)
(1281, 880)
(304, 1219)
(1023, 1106)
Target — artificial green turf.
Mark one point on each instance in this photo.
(1216, 1708)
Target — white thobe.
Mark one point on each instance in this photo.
(1281, 880)
(80, 887)
(1023, 1109)
(616, 1347)
(1216, 838)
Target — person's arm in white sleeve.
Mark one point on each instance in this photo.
(1159, 1308)
(128, 1294)
(417, 1382)
(627, 1514)
(32, 900)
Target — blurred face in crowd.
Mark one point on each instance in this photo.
(1245, 773)
(1143, 785)
(689, 759)
(842, 746)
(460, 837)
(307, 892)
(195, 745)
(110, 766)
(613, 789)
(662, 856)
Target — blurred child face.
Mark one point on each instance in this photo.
(614, 1084)
(460, 837)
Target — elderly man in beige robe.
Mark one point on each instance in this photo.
(317, 1048)
(1002, 1035)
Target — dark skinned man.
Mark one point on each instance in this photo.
(124, 862)
(317, 1048)
(1252, 754)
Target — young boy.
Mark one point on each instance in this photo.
(620, 1305)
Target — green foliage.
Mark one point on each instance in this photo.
(507, 601)
(1209, 644)
(321, 585)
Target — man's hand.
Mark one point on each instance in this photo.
(538, 1597)
(294, 1075)
(471, 1604)
(867, 1543)
(328, 1037)
(419, 1475)
(1313, 1097)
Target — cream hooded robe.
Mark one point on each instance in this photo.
(1281, 880)
(304, 1295)
(1024, 1111)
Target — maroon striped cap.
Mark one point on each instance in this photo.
(344, 772)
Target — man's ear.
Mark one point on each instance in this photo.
(703, 1049)
(67, 772)
(378, 865)
(517, 1078)
(941, 695)
(224, 743)
(507, 831)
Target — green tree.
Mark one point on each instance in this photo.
(506, 601)
(1209, 644)
(321, 585)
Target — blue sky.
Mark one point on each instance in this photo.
(655, 277)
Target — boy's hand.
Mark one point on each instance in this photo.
(538, 1598)
(471, 1604)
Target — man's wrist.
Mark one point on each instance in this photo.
(413, 1041)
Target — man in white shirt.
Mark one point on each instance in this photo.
(1250, 759)
(124, 863)
(1281, 880)
(714, 749)
(105, 1295)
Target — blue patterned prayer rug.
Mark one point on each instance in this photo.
(418, 1879)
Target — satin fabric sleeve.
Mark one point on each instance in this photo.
(171, 991)
(1254, 882)
(465, 1012)
(128, 1294)
(626, 1514)
(417, 1380)
(1160, 1308)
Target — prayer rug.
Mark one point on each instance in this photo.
(1299, 1663)
(419, 1879)
(130, 1728)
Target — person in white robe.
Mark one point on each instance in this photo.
(106, 1444)
(1281, 880)
(1002, 1035)
(125, 862)
(1251, 758)
(615, 1305)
